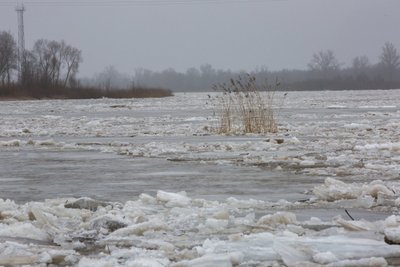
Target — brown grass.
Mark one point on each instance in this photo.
(245, 107)
(14, 92)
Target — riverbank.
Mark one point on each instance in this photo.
(14, 92)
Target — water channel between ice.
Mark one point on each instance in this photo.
(36, 175)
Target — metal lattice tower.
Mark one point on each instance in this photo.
(21, 39)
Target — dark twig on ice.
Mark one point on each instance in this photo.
(348, 214)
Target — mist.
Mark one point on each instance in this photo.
(229, 35)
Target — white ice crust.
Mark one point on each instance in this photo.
(349, 146)
(172, 229)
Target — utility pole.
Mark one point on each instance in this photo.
(21, 39)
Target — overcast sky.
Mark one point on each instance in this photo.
(236, 35)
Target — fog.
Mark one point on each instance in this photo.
(236, 35)
(96, 169)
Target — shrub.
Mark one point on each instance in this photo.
(60, 92)
(245, 106)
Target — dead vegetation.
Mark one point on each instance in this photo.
(16, 92)
(245, 106)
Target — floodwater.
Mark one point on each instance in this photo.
(284, 198)
(35, 173)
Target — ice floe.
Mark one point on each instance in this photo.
(172, 229)
(346, 145)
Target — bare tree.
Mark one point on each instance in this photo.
(8, 56)
(57, 63)
(43, 60)
(29, 74)
(110, 78)
(107, 77)
(324, 62)
(390, 60)
(72, 58)
(56, 51)
(360, 67)
(360, 63)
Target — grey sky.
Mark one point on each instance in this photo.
(237, 35)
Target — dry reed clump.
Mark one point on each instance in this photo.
(245, 107)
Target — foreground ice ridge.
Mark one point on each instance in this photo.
(172, 229)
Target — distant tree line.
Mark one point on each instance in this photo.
(50, 70)
(53, 64)
(324, 72)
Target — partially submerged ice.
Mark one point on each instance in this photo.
(334, 189)
(172, 229)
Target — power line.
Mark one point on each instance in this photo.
(132, 2)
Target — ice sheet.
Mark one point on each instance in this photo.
(335, 150)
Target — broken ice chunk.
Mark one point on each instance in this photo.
(86, 203)
(173, 199)
(278, 218)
